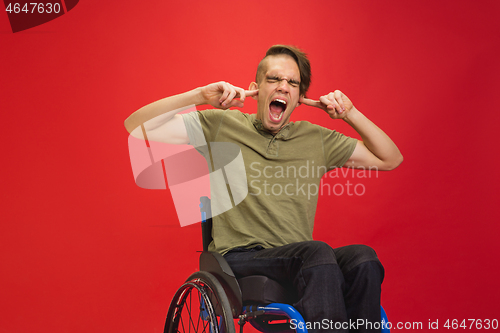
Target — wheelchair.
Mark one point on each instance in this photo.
(211, 299)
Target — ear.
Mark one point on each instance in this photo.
(254, 86)
(300, 100)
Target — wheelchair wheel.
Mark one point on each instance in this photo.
(200, 305)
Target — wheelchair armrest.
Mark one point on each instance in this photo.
(215, 264)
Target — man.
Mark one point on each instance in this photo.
(270, 231)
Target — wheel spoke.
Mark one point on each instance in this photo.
(200, 298)
(190, 315)
(182, 323)
(206, 325)
(210, 305)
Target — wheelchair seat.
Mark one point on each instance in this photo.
(259, 289)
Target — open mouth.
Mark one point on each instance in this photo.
(277, 109)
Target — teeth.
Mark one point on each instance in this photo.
(279, 117)
(280, 100)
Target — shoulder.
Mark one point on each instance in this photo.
(313, 131)
(216, 119)
(304, 127)
(237, 114)
(234, 116)
(230, 113)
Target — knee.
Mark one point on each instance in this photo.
(351, 256)
(317, 253)
(364, 253)
(370, 272)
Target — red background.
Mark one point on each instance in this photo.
(83, 249)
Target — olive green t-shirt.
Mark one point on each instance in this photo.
(283, 174)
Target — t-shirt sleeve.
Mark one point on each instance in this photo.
(202, 124)
(338, 148)
(194, 129)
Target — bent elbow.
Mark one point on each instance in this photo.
(395, 163)
(131, 124)
(126, 127)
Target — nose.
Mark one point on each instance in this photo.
(283, 85)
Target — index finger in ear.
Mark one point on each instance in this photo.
(252, 92)
(310, 102)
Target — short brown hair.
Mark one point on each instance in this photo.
(299, 57)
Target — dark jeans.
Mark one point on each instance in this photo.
(338, 285)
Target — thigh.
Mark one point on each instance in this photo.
(245, 263)
(281, 263)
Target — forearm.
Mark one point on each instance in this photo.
(386, 153)
(163, 106)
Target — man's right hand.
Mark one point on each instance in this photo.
(222, 95)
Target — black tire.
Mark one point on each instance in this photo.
(200, 305)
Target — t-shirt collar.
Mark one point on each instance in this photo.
(283, 134)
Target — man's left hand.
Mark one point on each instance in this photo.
(336, 104)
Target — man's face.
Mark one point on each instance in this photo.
(279, 92)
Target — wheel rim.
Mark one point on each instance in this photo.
(197, 309)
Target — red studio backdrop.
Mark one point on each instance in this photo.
(84, 249)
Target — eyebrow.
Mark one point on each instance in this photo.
(276, 77)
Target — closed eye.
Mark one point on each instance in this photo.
(274, 79)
